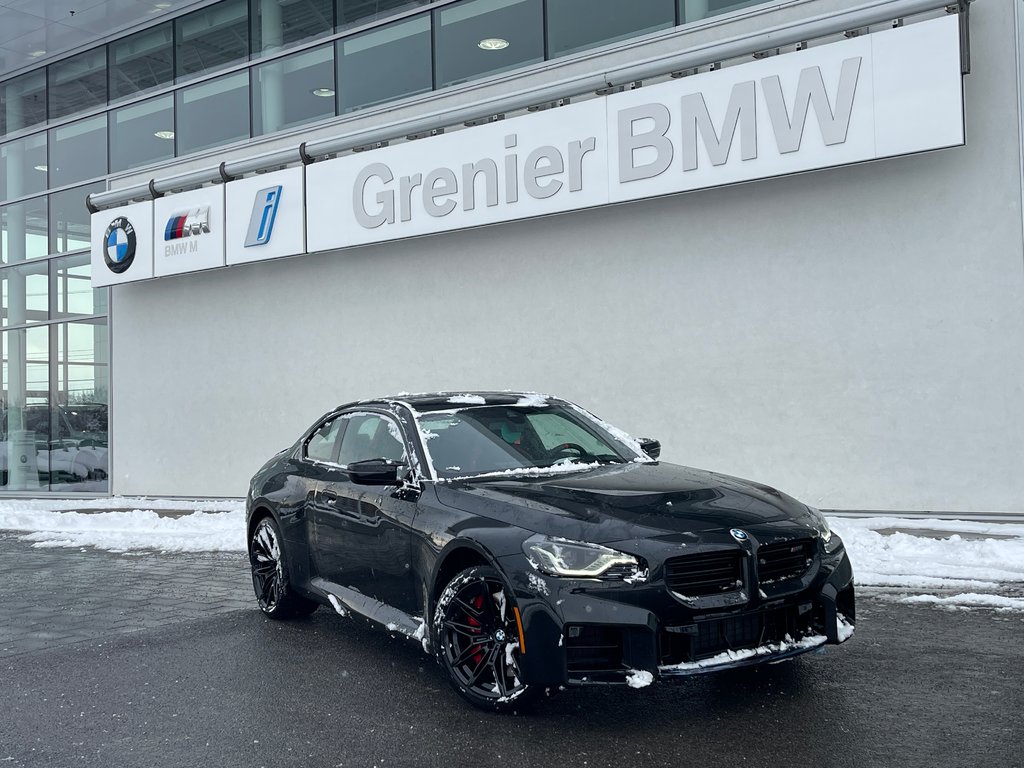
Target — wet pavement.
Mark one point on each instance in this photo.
(54, 596)
(163, 660)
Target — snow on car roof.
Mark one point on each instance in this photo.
(429, 401)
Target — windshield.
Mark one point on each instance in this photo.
(483, 439)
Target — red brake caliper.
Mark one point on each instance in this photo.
(478, 603)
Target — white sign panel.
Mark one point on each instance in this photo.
(188, 231)
(513, 169)
(879, 95)
(266, 216)
(893, 92)
(122, 244)
(888, 93)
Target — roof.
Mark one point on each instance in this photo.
(433, 401)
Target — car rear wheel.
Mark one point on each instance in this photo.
(270, 580)
(477, 640)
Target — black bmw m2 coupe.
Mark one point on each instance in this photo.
(529, 545)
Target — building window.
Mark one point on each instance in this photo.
(575, 25)
(26, 293)
(277, 24)
(78, 151)
(69, 218)
(23, 102)
(385, 63)
(352, 13)
(695, 10)
(294, 90)
(23, 167)
(212, 113)
(142, 133)
(58, 443)
(142, 61)
(212, 38)
(72, 288)
(23, 231)
(483, 37)
(78, 83)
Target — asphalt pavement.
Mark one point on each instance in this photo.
(163, 660)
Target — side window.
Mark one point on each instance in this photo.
(371, 436)
(320, 446)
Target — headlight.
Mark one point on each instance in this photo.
(579, 560)
(832, 543)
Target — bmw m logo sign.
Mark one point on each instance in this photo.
(738, 534)
(119, 245)
(188, 223)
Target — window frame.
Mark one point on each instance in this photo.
(331, 419)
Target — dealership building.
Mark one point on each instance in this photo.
(784, 238)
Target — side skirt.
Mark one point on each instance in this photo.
(346, 600)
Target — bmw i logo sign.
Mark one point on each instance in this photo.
(738, 534)
(119, 245)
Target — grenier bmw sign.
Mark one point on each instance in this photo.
(880, 95)
(870, 97)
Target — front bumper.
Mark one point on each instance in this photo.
(580, 632)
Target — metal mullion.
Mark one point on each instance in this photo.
(75, 319)
(544, 25)
(435, 16)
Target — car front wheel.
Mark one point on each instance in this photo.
(270, 574)
(477, 637)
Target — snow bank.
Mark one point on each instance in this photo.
(969, 571)
(956, 564)
(121, 524)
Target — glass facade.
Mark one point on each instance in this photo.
(208, 78)
(483, 37)
(142, 62)
(77, 83)
(384, 64)
(607, 22)
(294, 90)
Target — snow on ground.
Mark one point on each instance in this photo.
(948, 563)
(121, 524)
(952, 563)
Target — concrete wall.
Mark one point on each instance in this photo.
(853, 336)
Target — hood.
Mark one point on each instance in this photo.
(625, 501)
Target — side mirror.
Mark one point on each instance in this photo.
(650, 446)
(375, 472)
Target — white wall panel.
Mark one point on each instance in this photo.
(854, 336)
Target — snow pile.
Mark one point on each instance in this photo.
(121, 524)
(948, 563)
(970, 563)
(639, 678)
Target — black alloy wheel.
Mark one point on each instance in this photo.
(270, 574)
(477, 638)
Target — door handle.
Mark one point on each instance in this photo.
(330, 498)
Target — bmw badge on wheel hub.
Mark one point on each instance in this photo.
(119, 245)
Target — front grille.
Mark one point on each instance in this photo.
(710, 573)
(711, 637)
(788, 560)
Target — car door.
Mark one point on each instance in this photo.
(362, 533)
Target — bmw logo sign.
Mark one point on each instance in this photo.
(738, 534)
(119, 245)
